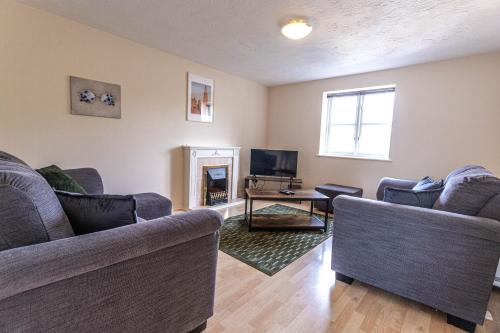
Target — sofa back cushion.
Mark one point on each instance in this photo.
(467, 170)
(20, 224)
(417, 198)
(10, 158)
(467, 190)
(29, 209)
(89, 178)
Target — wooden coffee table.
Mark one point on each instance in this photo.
(284, 222)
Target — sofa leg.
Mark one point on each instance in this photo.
(343, 278)
(199, 329)
(463, 324)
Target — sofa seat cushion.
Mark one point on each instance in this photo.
(467, 190)
(96, 212)
(29, 207)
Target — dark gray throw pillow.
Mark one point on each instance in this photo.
(424, 199)
(427, 183)
(95, 212)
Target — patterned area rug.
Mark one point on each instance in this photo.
(269, 251)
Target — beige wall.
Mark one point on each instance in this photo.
(446, 114)
(140, 152)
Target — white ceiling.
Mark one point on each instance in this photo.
(243, 36)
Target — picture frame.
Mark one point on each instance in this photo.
(200, 99)
(95, 98)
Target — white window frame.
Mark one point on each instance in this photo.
(325, 122)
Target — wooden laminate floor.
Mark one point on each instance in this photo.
(304, 297)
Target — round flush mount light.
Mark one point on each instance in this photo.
(296, 29)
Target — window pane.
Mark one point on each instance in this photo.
(343, 110)
(341, 139)
(375, 140)
(377, 108)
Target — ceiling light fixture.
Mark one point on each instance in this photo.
(296, 29)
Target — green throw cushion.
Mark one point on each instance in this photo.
(60, 180)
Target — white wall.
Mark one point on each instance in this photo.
(446, 114)
(141, 151)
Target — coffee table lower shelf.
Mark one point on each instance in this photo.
(286, 222)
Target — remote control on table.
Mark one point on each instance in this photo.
(287, 192)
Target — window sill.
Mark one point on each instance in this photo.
(355, 157)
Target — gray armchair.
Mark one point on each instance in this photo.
(442, 259)
(156, 276)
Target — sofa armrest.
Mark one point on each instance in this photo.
(441, 259)
(395, 183)
(34, 266)
(152, 205)
(89, 178)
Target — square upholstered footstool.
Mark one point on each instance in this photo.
(332, 190)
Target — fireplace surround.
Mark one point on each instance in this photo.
(197, 160)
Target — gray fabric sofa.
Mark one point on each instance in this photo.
(444, 259)
(156, 276)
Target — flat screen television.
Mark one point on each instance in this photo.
(280, 163)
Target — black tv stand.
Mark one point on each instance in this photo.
(293, 183)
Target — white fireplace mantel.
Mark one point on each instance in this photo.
(191, 175)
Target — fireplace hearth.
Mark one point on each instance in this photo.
(216, 185)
